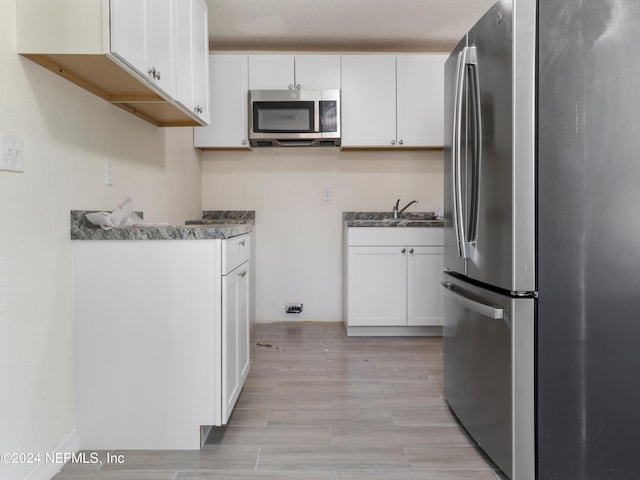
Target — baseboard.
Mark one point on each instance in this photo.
(46, 470)
(426, 331)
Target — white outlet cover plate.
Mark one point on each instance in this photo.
(11, 159)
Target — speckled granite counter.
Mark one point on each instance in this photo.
(223, 217)
(82, 229)
(385, 219)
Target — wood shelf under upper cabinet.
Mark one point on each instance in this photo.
(82, 55)
(104, 77)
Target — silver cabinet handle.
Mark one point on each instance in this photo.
(244, 142)
(197, 109)
(241, 243)
(153, 72)
(411, 250)
(400, 142)
(403, 250)
(480, 308)
(291, 86)
(242, 273)
(298, 86)
(393, 142)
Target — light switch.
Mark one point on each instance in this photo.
(11, 159)
(108, 174)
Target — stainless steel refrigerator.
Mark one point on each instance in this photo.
(542, 238)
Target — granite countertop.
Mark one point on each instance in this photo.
(224, 217)
(212, 229)
(385, 219)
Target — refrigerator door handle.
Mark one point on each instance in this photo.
(458, 218)
(474, 90)
(478, 307)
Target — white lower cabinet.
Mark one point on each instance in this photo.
(377, 286)
(235, 331)
(424, 297)
(161, 332)
(392, 281)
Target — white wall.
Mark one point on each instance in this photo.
(68, 135)
(298, 235)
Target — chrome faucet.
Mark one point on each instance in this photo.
(396, 212)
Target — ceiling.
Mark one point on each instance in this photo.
(341, 25)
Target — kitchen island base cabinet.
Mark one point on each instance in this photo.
(148, 342)
(393, 281)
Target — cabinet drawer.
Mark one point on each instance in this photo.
(235, 251)
(391, 236)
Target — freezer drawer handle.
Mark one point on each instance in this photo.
(478, 307)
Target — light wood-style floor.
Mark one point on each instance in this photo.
(319, 405)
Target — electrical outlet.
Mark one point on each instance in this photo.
(293, 308)
(327, 194)
(11, 159)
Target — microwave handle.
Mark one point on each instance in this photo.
(316, 116)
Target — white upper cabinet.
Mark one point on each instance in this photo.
(143, 34)
(229, 77)
(128, 52)
(129, 36)
(391, 101)
(271, 72)
(369, 100)
(317, 72)
(193, 51)
(420, 100)
(200, 65)
(282, 72)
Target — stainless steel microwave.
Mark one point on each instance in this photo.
(294, 117)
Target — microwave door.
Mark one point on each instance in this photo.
(284, 117)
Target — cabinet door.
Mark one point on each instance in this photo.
(200, 71)
(271, 72)
(377, 286)
(192, 45)
(424, 297)
(143, 36)
(420, 100)
(369, 100)
(129, 36)
(235, 336)
(230, 334)
(161, 18)
(317, 72)
(229, 83)
(244, 323)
